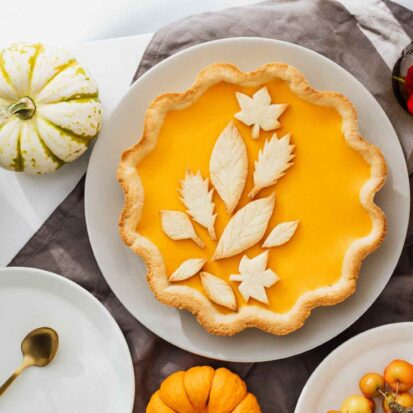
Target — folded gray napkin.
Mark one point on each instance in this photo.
(365, 42)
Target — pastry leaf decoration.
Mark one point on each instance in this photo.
(177, 226)
(245, 228)
(258, 111)
(228, 166)
(228, 169)
(218, 291)
(187, 269)
(273, 161)
(281, 234)
(196, 197)
(254, 277)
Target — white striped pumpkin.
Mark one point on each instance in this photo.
(49, 108)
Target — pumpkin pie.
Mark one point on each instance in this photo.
(250, 198)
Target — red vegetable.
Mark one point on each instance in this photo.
(410, 104)
(409, 81)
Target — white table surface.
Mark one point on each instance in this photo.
(26, 201)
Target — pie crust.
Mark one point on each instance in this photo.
(212, 317)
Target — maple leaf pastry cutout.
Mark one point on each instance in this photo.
(259, 111)
(254, 277)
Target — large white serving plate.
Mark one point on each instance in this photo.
(125, 272)
(337, 376)
(92, 371)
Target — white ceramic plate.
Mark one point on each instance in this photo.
(125, 272)
(92, 371)
(337, 376)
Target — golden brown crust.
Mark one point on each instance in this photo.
(184, 297)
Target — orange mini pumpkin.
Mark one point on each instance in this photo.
(203, 390)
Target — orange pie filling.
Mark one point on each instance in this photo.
(321, 190)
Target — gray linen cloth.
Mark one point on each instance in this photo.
(328, 27)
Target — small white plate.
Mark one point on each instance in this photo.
(125, 272)
(337, 376)
(92, 371)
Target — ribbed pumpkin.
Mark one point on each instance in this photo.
(49, 108)
(203, 390)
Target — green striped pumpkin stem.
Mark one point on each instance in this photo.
(23, 109)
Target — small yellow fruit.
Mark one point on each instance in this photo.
(399, 375)
(357, 404)
(371, 384)
(405, 399)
